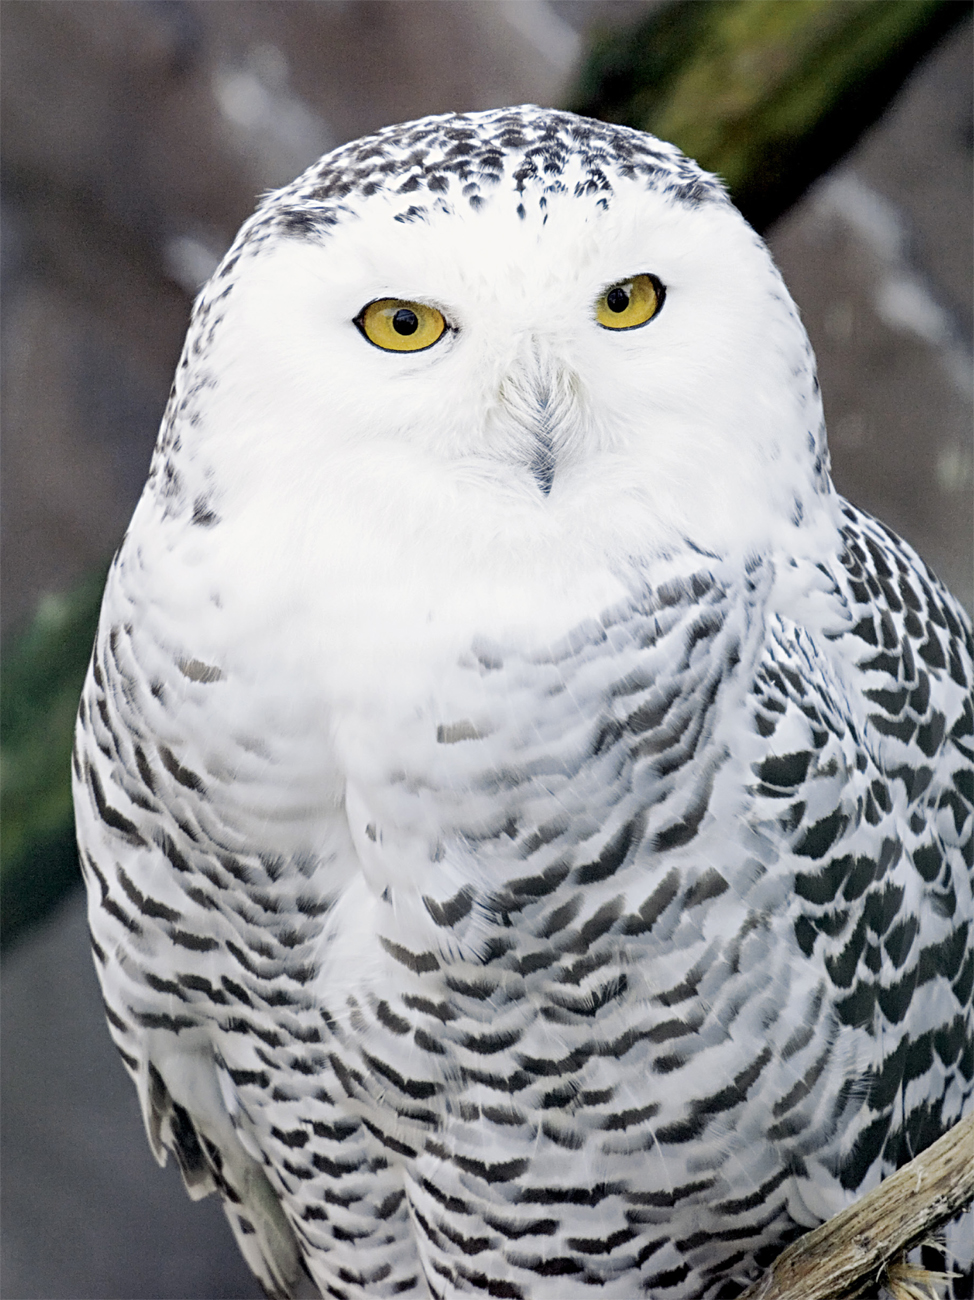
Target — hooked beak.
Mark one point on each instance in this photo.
(542, 465)
(538, 398)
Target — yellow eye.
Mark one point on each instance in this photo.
(398, 326)
(630, 303)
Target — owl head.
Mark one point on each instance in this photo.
(518, 324)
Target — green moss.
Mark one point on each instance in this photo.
(767, 93)
(40, 682)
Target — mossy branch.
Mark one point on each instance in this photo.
(767, 93)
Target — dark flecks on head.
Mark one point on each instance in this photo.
(531, 145)
(298, 223)
(203, 516)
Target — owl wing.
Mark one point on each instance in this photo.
(869, 735)
(156, 938)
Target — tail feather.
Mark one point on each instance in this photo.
(211, 1158)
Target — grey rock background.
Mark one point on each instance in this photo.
(136, 134)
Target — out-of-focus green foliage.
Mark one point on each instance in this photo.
(767, 93)
(40, 681)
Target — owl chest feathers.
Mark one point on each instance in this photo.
(427, 767)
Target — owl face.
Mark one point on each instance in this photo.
(592, 332)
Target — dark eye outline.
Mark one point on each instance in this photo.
(659, 288)
(408, 303)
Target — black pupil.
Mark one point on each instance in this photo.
(617, 299)
(405, 321)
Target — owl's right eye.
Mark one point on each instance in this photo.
(398, 326)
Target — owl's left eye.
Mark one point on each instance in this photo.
(630, 303)
(399, 326)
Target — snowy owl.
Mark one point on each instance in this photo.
(526, 812)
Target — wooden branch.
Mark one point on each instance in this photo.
(768, 93)
(845, 1257)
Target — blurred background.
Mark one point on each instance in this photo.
(136, 135)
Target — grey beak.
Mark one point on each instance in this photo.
(542, 465)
